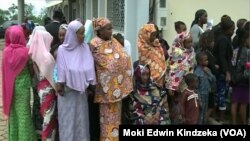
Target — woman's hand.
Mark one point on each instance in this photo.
(91, 89)
(60, 89)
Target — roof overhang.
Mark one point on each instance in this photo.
(50, 3)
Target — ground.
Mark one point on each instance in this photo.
(3, 123)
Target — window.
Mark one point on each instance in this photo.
(163, 21)
(162, 3)
(95, 8)
(115, 13)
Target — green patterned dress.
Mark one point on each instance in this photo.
(21, 127)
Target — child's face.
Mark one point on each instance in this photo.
(182, 28)
(61, 35)
(204, 61)
(193, 85)
(145, 76)
(188, 43)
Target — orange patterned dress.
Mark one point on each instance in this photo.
(114, 82)
(151, 53)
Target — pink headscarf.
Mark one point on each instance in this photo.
(40, 53)
(15, 57)
(180, 38)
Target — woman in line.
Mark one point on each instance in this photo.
(16, 86)
(197, 27)
(148, 103)
(76, 75)
(43, 65)
(151, 53)
(223, 52)
(114, 77)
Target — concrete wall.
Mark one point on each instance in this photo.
(184, 10)
(136, 14)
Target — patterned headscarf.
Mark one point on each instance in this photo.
(180, 38)
(151, 53)
(100, 23)
(138, 72)
(144, 35)
(64, 26)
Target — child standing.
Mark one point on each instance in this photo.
(205, 80)
(181, 62)
(207, 45)
(148, 104)
(189, 101)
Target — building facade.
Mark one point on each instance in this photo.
(128, 16)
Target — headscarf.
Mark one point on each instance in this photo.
(151, 53)
(100, 23)
(38, 28)
(28, 27)
(89, 31)
(63, 26)
(40, 53)
(7, 37)
(144, 36)
(15, 57)
(138, 74)
(75, 63)
(180, 38)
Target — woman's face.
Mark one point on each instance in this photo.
(61, 34)
(80, 34)
(106, 32)
(231, 31)
(153, 36)
(204, 18)
(188, 43)
(145, 76)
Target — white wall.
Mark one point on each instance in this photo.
(136, 14)
(88, 9)
(102, 8)
(184, 10)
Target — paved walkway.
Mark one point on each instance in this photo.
(3, 127)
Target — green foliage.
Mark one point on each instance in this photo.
(12, 13)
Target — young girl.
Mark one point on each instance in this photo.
(181, 62)
(148, 104)
(205, 81)
(240, 95)
(189, 101)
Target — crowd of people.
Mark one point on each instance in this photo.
(85, 85)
